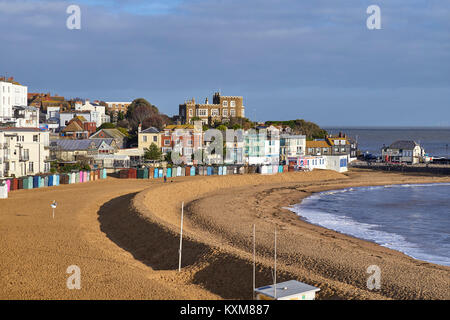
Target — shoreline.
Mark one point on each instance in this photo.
(333, 261)
(305, 219)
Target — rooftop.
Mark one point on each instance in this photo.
(286, 289)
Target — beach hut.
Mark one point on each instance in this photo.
(169, 173)
(224, 170)
(192, 173)
(288, 290)
(285, 168)
(57, 180)
(220, 171)
(14, 184)
(160, 173)
(3, 190)
(41, 181)
(51, 179)
(141, 173)
(28, 183)
(8, 184)
(35, 182)
(280, 169)
(179, 171)
(104, 173)
(155, 173)
(187, 170)
(209, 171)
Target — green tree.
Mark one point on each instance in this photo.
(153, 152)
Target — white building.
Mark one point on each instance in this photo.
(291, 146)
(26, 117)
(23, 151)
(11, 94)
(262, 146)
(403, 151)
(98, 112)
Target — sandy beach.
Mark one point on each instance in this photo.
(124, 236)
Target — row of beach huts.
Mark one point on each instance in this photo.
(170, 172)
(50, 180)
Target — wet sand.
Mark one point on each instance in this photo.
(124, 236)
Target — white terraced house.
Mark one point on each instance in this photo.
(11, 94)
(23, 151)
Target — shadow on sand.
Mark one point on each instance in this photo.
(148, 242)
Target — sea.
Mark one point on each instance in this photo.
(411, 218)
(436, 141)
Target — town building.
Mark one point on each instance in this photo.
(81, 150)
(23, 151)
(403, 151)
(318, 148)
(119, 138)
(147, 137)
(98, 112)
(116, 107)
(43, 101)
(221, 109)
(11, 94)
(26, 117)
(291, 146)
(187, 139)
(262, 146)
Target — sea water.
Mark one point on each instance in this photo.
(411, 218)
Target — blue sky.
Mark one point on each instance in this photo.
(312, 59)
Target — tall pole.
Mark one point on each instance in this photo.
(181, 237)
(254, 261)
(275, 269)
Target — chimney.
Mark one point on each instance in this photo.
(10, 79)
(206, 101)
(140, 128)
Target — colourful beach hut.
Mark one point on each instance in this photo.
(192, 171)
(169, 172)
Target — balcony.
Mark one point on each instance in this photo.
(24, 157)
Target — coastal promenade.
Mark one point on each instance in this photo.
(124, 236)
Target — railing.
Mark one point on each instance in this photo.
(24, 157)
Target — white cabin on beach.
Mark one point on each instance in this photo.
(289, 290)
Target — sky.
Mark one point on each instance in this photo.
(311, 59)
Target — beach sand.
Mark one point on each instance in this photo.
(124, 236)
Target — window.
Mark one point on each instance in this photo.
(202, 112)
(225, 103)
(232, 112)
(167, 142)
(225, 112)
(144, 138)
(190, 113)
(30, 167)
(155, 138)
(233, 104)
(215, 112)
(35, 138)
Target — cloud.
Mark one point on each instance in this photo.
(167, 51)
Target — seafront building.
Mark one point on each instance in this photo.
(403, 151)
(23, 151)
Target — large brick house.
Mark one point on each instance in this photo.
(221, 109)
